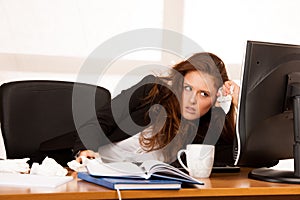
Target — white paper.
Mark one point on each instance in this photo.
(28, 180)
(14, 165)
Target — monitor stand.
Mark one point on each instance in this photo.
(272, 175)
(281, 176)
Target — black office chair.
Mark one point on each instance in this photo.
(37, 117)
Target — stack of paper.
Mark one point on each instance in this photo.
(28, 180)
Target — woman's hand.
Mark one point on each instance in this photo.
(87, 153)
(234, 92)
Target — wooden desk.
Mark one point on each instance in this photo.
(219, 186)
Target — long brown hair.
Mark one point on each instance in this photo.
(169, 97)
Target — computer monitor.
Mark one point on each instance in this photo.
(268, 125)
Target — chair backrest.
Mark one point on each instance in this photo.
(33, 112)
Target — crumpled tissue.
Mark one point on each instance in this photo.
(14, 165)
(49, 167)
(81, 167)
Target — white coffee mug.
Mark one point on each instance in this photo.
(199, 158)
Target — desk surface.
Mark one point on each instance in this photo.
(218, 186)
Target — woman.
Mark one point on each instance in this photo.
(169, 112)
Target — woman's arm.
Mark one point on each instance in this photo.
(127, 114)
(129, 111)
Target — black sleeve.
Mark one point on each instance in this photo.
(118, 121)
(129, 110)
(215, 127)
(130, 99)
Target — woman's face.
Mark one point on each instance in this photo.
(198, 95)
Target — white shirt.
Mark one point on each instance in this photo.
(128, 150)
(2, 147)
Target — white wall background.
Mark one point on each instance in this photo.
(224, 27)
(57, 35)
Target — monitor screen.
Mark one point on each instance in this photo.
(265, 122)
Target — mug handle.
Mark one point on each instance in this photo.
(179, 159)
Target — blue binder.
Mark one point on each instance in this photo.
(131, 183)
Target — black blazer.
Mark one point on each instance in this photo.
(127, 117)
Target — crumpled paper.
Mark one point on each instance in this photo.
(49, 167)
(14, 165)
(81, 167)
